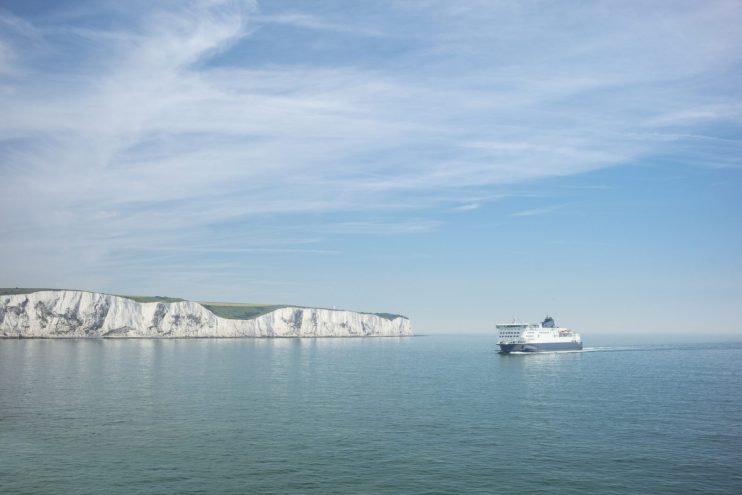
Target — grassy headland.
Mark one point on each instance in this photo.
(239, 311)
(142, 299)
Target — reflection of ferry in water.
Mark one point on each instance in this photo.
(535, 337)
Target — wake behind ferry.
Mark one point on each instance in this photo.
(537, 337)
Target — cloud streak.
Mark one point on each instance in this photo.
(535, 211)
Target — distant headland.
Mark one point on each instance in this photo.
(52, 313)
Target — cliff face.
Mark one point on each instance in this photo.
(87, 314)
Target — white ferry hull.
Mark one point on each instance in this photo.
(541, 347)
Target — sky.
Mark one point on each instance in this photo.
(461, 163)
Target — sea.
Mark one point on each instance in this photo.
(415, 415)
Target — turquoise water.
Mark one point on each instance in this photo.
(409, 415)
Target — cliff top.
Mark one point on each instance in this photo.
(233, 311)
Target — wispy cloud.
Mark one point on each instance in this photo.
(705, 113)
(468, 207)
(308, 21)
(380, 228)
(157, 127)
(535, 211)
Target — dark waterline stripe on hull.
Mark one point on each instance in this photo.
(555, 346)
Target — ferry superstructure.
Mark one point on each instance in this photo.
(536, 337)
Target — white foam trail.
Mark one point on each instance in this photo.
(609, 348)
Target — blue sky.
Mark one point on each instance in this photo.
(458, 162)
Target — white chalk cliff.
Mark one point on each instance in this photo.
(67, 313)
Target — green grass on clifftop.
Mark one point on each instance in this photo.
(240, 311)
(17, 290)
(149, 299)
(237, 311)
(142, 299)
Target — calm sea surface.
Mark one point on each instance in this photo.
(409, 415)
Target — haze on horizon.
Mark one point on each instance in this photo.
(461, 163)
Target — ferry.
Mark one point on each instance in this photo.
(537, 337)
